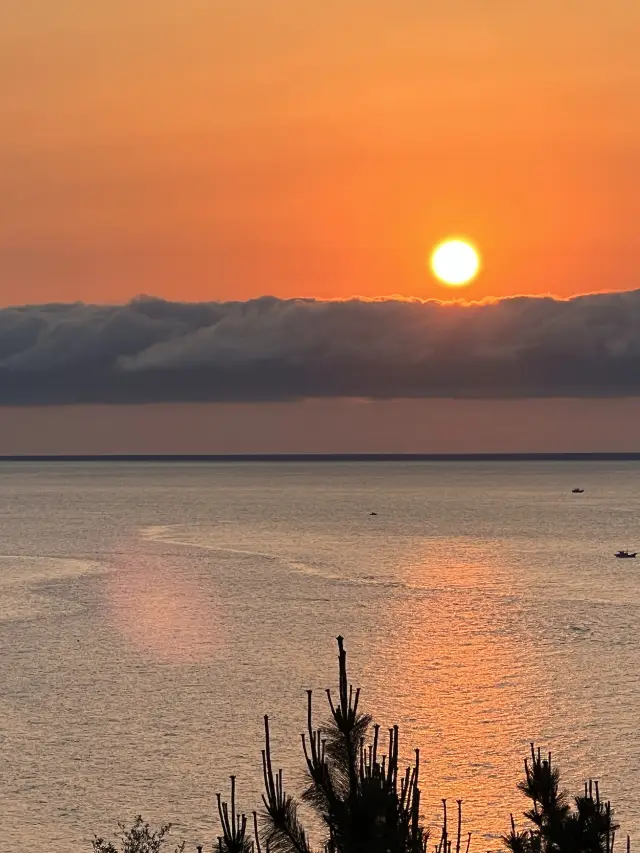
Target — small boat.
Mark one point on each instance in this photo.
(577, 491)
(627, 554)
(373, 513)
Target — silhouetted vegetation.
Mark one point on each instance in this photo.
(364, 803)
(140, 838)
(584, 826)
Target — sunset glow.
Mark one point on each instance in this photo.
(199, 151)
(319, 331)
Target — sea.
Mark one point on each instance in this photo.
(151, 614)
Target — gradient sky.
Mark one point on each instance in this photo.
(203, 149)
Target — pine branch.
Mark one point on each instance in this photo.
(282, 832)
(234, 827)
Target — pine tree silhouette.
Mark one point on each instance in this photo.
(364, 803)
(558, 826)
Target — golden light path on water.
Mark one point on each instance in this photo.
(472, 732)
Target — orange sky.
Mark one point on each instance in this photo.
(211, 150)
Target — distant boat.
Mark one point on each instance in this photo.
(373, 513)
(577, 491)
(627, 554)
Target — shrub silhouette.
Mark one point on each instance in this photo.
(140, 838)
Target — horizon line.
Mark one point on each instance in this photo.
(460, 301)
(614, 456)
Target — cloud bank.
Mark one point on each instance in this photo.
(271, 349)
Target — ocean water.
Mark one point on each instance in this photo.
(150, 614)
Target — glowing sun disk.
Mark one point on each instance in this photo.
(455, 262)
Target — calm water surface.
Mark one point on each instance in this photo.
(150, 614)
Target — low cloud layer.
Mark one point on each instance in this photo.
(273, 349)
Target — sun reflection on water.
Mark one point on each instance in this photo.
(472, 732)
(164, 612)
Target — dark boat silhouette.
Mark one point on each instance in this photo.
(577, 491)
(625, 554)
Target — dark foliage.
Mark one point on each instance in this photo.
(364, 802)
(140, 838)
(558, 825)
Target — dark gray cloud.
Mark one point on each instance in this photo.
(274, 349)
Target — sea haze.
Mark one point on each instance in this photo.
(152, 612)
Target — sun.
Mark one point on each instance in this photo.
(455, 262)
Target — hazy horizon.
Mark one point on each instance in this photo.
(334, 426)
